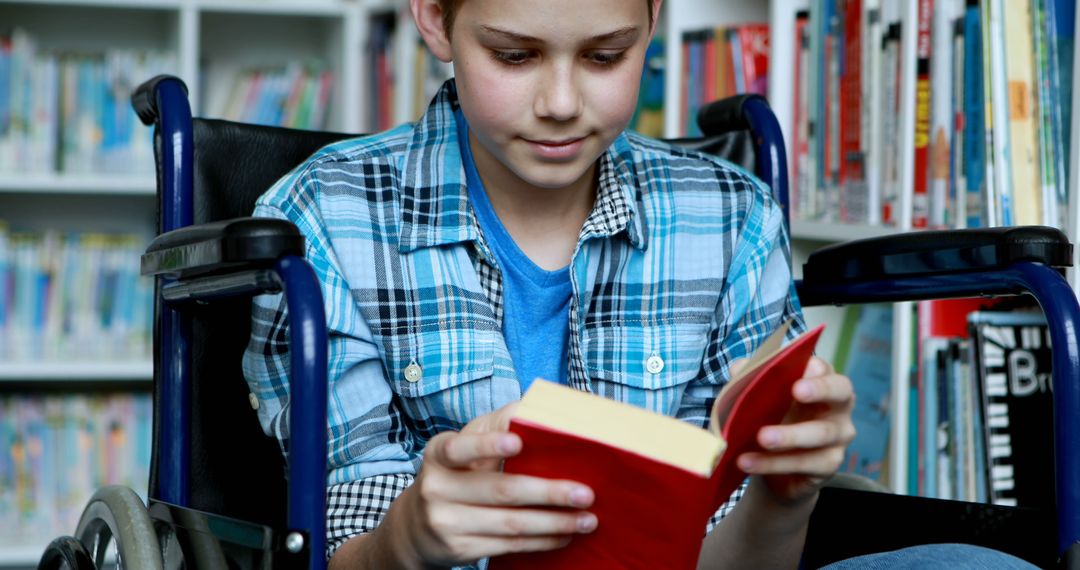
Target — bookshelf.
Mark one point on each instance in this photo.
(809, 234)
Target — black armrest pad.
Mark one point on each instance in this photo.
(227, 245)
(924, 253)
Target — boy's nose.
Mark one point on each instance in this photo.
(558, 95)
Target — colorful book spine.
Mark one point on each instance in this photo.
(924, 41)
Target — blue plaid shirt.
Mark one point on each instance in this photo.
(683, 258)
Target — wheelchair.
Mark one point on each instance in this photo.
(210, 258)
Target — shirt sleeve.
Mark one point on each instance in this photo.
(372, 456)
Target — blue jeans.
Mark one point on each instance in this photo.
(951, 556)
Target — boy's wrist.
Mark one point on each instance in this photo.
(399, 538)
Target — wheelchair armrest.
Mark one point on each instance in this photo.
(240, 244)
(933, 253)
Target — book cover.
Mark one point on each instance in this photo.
(645, 466)
(869, 362)
(1012, 365)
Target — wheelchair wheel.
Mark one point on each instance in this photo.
(66, 553)
(116, 515)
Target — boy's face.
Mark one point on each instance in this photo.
(545, 85)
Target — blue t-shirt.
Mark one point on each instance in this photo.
(536, 302)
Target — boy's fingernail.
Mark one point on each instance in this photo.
(579, 497)
(508, 445)
(804, 390)
(746, 463)
(770, 438)
(586, 523)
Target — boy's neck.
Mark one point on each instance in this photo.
(544, 222)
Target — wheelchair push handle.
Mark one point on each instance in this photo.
(144, 99)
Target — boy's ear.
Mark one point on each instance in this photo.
(655, 17)
(428, 16)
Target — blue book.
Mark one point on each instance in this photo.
(6, 81)
(974, 120)
(870, 368)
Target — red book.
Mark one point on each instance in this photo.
(851, 145)
(754, 48)
(921, 198)
(657, 480)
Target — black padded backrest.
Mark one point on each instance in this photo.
(236, 162)
(237, 470)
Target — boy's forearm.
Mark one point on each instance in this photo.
(759, 533)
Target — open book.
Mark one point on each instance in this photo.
(657, 479)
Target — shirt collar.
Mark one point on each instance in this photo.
(434, 204)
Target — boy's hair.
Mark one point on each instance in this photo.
(449, 10)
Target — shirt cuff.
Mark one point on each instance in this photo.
(357, 507)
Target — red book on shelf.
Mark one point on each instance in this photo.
(920, 201)
(657, 479)
(754, 48)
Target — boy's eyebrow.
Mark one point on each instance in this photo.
(627, 32)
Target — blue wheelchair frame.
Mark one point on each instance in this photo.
(307, 461)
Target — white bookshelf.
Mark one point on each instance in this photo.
(78, 184)
(85, 371)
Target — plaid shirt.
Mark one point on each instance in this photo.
(684, 257)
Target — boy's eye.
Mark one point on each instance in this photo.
(511, 57)
(606, 58)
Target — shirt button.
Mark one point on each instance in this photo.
(413, 372)
(253, 400)
(654, 364)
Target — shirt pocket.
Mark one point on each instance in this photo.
(443, 378)
(646, 365)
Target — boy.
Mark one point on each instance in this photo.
(516, 232)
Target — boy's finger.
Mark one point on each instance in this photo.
(460, 450)
(486, 521)
(818, 463)
(806, 435)
(823, 389)
(505, 490)
(817, 367)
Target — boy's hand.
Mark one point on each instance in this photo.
(808, 447)
(462, 507)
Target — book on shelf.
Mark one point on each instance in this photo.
(864, 354)
(1011, 362)
(619, 449)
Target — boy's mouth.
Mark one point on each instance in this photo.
(561, 149)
